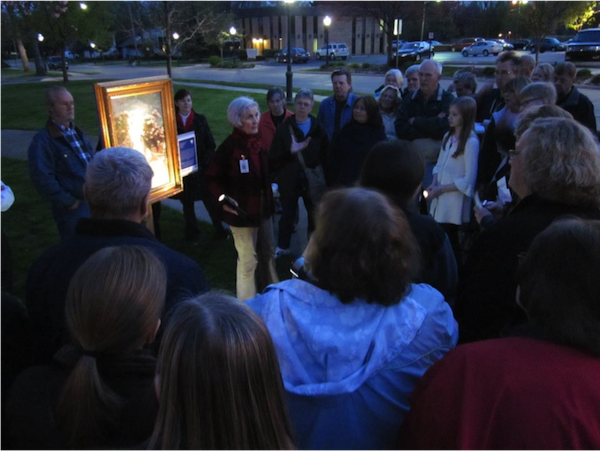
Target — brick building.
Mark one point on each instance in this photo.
(265, 26)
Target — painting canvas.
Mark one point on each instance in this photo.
(140, 114)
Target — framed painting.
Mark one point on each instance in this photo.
(140, 114)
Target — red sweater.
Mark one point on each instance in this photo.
(510, 393)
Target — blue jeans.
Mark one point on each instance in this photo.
(66, 219)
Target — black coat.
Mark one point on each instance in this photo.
(193, 188)
(581, 108)
(349, 150)
(49, 277)
(285, 166)
(487, 287)
(35, 394)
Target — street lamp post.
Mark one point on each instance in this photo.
(175, 38)
(233, 32)
(327, 22)
(289, 75)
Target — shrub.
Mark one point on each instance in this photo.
(366, 65)
(584, 74)
(489, 71)
(270, 53)
(242, 54)
(354, 65)
(214, 61)
(596, 79)
(260, 57)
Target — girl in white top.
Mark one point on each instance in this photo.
(456, 171)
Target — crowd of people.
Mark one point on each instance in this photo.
(447, 297)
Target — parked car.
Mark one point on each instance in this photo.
(462, 44)
(335, 50)
(505, 45)
(585, 46)
(55, 62)
(414, 51)
(483, 48)
(396, 42)
(548, 45)
(299, 55)
(521, 44)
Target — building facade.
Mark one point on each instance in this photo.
(266, 26)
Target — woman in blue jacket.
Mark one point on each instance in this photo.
(354, 338)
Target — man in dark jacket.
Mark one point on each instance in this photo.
(58, 156)
(570, 99)
(423, 116)
(117, 188)
(299, 135)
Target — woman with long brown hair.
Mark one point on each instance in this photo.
(219, 381)
(98, 392)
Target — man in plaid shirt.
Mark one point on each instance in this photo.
(58, 157)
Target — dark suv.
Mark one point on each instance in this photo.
(55, 62)
(585, 46)
(548, 45)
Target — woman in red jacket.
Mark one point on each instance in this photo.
(239, 170)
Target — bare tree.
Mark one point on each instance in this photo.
(187, 19)
(13, 18)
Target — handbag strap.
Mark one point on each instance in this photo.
(299, 154)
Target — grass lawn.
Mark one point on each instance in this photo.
(29, 225)
(319, 92)
(31, 113)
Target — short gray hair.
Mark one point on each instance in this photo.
(411, 70)
(467, 78)
(437, 64)
(52, 92)
(237, 108)
(117, 180)
(545, 70)
(539, 90)
(306, 94)
(397, 73)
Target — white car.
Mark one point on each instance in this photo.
(483, 48)
(335, 50)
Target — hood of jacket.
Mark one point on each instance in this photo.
(329, 348)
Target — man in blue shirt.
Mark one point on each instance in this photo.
(58, 157)
(336, 111)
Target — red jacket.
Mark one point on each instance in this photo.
(508, 393)
(224, 176)
(266, 128)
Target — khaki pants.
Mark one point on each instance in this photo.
(256, 258)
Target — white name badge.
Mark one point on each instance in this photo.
(244, 167)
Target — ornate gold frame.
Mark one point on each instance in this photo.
(153, 100)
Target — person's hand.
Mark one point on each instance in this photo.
(441, 115)
(297, 147)
(480, 213)
(75, 205)
(434, 191)
(496, 208)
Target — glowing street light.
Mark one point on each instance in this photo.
(327, 23)
(40, 37)
(175, 35)
(92, 45)
(232, 31)
(83, 6)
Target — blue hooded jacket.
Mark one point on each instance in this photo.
(349, 369)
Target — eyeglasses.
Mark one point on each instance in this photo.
(502, 73)
(513, 153)
(528, 101)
